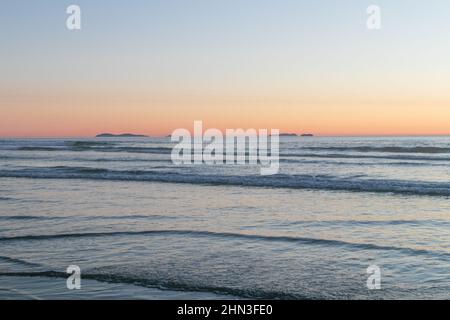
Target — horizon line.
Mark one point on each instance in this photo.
(168, 136)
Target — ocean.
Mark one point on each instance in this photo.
(140, 227)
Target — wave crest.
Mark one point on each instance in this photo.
(393, 149)
(313, 182)
(245, 236)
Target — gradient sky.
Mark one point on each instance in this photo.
(153, 66)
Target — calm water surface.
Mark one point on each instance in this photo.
(140, 227)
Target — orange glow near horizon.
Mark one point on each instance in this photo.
(86, 116)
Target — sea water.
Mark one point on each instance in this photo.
(139, 226)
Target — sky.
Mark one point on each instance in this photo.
(149, 67)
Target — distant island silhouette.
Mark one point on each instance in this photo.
(296, 135)
(122, 135)
(288, 135)
(132, 135)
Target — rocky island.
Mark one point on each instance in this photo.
(288, 135)
(122, 135)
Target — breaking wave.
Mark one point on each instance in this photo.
(297, 181)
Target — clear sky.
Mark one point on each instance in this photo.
(152, 66)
